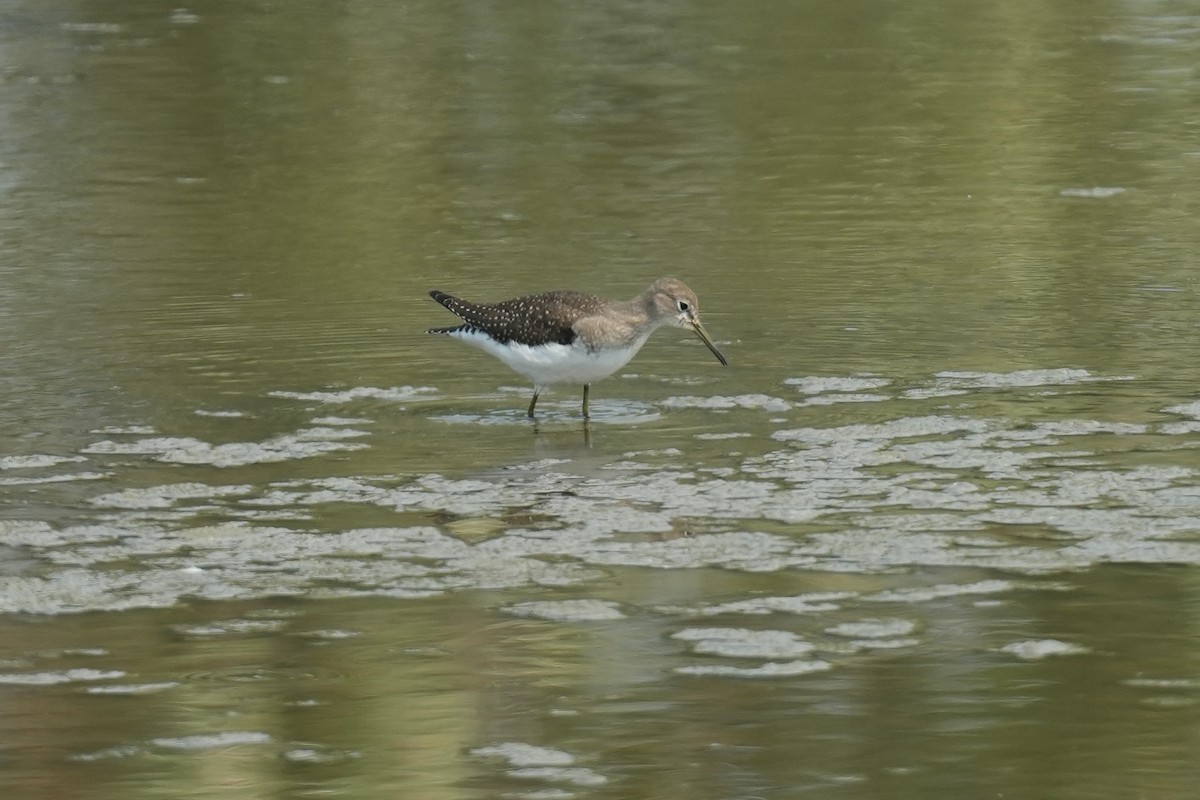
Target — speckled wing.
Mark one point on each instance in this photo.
(538, 319)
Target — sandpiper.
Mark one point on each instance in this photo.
(569, 337)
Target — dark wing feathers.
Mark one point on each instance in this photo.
(534, 320)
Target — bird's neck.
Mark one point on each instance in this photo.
(623, 325)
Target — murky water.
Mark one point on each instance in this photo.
(935, 533)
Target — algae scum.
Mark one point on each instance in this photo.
(954, 484)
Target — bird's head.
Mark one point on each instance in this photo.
(678, 305)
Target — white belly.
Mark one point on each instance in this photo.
(549, 364)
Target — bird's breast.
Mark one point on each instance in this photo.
(547, 364)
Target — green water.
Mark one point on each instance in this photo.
(933, 534)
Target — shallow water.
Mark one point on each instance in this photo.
(934, 533)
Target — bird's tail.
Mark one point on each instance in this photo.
(451, 330)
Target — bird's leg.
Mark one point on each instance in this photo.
(586, 386)
(532, 403)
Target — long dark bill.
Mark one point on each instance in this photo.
(699, 329)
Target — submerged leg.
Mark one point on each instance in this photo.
(532, 403)
(586, 386)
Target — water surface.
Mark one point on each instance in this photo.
(933, 533)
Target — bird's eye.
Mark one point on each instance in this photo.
(683, 305)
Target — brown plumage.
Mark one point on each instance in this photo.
(570, 337)
(533, 320)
